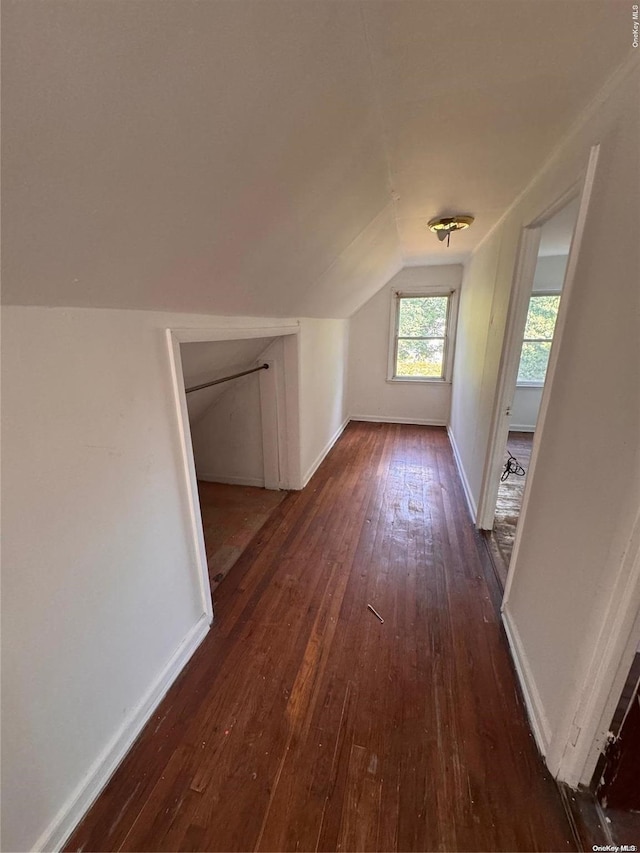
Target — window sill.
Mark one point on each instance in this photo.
(417, 381)
(534, 385)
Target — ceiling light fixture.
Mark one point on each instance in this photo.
(442, 226)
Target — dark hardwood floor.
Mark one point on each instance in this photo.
(231, 517)
(304, 723)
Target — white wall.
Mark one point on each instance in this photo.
(225, 420)
(101, 598)
(581, 499)
(525, 408)
(227, 438)
(372, 395)
(550, 269)
(324, 346)
(549, 275)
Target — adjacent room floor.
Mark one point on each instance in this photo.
(304, 722)
(509, 502)
(231, 517)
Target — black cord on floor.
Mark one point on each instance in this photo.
(512, 466)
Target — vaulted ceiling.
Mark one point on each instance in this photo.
(274, 158)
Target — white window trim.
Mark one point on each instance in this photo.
(449, 336)
(537, 384)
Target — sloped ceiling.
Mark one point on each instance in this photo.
(274, 158)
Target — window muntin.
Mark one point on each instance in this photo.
(420, 351)
(538, 334)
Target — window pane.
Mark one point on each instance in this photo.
(533, 361)
(424, 316)
(541, 319)
(420, 358)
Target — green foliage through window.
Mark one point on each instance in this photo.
(422, 324)
(538, 334)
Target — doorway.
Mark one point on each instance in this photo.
(615, 780)
(544, 297)
(237, 492)
(236, 395)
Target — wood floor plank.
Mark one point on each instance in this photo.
(305, 723)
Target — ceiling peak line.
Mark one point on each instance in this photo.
(338, 258)
(393, 195)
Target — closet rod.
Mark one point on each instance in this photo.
(226, 378)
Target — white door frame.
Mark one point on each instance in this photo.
(510, 359)
(577, 743)
(275, 416)
(283, 382)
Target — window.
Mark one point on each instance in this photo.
(421, 337)
(538, 334)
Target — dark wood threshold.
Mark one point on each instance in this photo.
(586, 818)
(500, 568)
(492, 577)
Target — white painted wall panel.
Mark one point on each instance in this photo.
(371, 395)
(550, 269)
(324, 346)
(525, 408)
(469, 416)
(100, 583)
(227, 439)
(582, 501)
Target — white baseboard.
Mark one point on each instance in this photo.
(316, 464)
(521, 428)
(70, 815)
(535, 710)
(382, 419)
(231, 481)
(471, 504)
